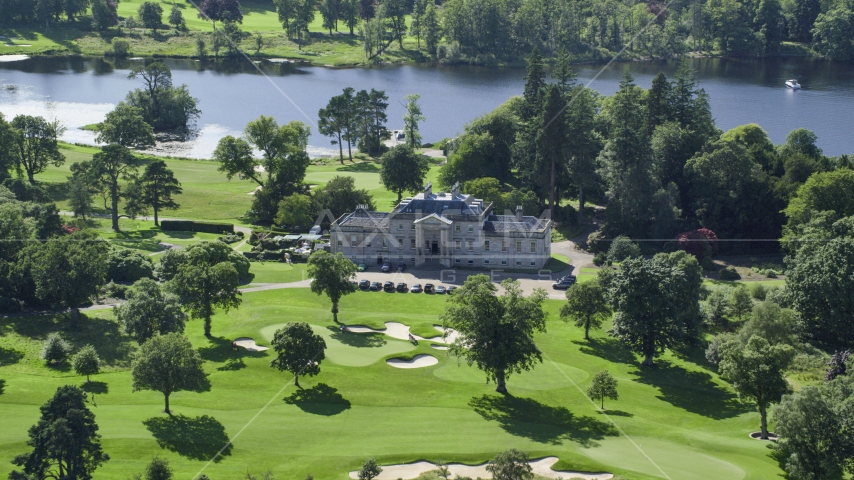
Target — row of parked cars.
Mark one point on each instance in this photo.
(389, 286)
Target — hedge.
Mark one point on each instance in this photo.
(191, 226)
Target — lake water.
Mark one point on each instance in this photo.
(79, 91)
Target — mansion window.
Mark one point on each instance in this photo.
(340, 241)
(504, 245)
(470, 244)
(533, 247)
(400, 226)
(518, 247)
(457, 244)
(471, 228)
(412, 243)
(486, 245)
(456, 228)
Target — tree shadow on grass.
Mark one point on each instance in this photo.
(113, 347)
(9, 356)
(359, 340)
(2, 386)
(219, 350)
(607, 348)
(360, 167)
(694, 392)
(617, 413)
(320, 399)
(96, 387)
(198, 438)
(524, 417)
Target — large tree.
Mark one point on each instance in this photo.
(221, 10)
(282, 168)
(757, 373)
(822, 192)
(510, 465)
(149, 311)
(65, 441)
(333, 122)
(157, 185)
(496, 333)
(411, 119)
(167, 364)
(164, 106)
(126, 126)
(403, 170)
(331, 275)
(203, 289)
(650, 297)
(586, 306)
(66, 271)
(298, 350)
(35, 143)
(111, 165)
(820, 282)
(339, 196)
(151, 15)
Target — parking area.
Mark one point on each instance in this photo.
(455, 278)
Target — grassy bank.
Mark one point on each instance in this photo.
(679, 413)
(259, 17)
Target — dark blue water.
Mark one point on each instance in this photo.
(79, 91)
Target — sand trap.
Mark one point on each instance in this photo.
(540, 467)
(418, 361)
(257, 189)
(18, 45)
(439, 347)
(401, 332)
(249, 344)
(13, 58)
(452, 336)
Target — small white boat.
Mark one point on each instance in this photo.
(793, 84)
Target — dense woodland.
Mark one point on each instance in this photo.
(485, 31)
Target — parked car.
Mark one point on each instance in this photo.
(376, 286)
(402, 288)
(429, 288)
(451, 290)
(388, 286)
(364, 284)
(362, 267)
(440, 290)
(416, 288)
(386, 267)
(401, 267)
(564, 283)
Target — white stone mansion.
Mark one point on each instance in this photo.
(450, 229)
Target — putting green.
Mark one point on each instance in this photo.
(543, 377)
(351, 349)
(676, 461)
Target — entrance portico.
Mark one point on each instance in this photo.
(431, 236)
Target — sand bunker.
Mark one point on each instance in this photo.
(401, 332)
(13, 58)
(418, 361)
(249, 344)
(439, 347)
(540, 467)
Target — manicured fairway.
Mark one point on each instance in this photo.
(679, 414)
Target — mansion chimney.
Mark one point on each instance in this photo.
(519, 213)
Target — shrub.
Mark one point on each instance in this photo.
(701, 243)
(622, 248)
(55, 350)
(597, 242)
(778, 295)
(126, 265)
(728, 273)
(86, 362)
(599, 259)
(113, 290)
(758, 291)
(229, 239)
(119, 49)
(191, 226)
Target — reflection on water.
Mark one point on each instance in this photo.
(79, 91)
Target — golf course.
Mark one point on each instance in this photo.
(677, 420)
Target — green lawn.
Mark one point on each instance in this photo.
(679, 413)
(259, 16)
(208, 195)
